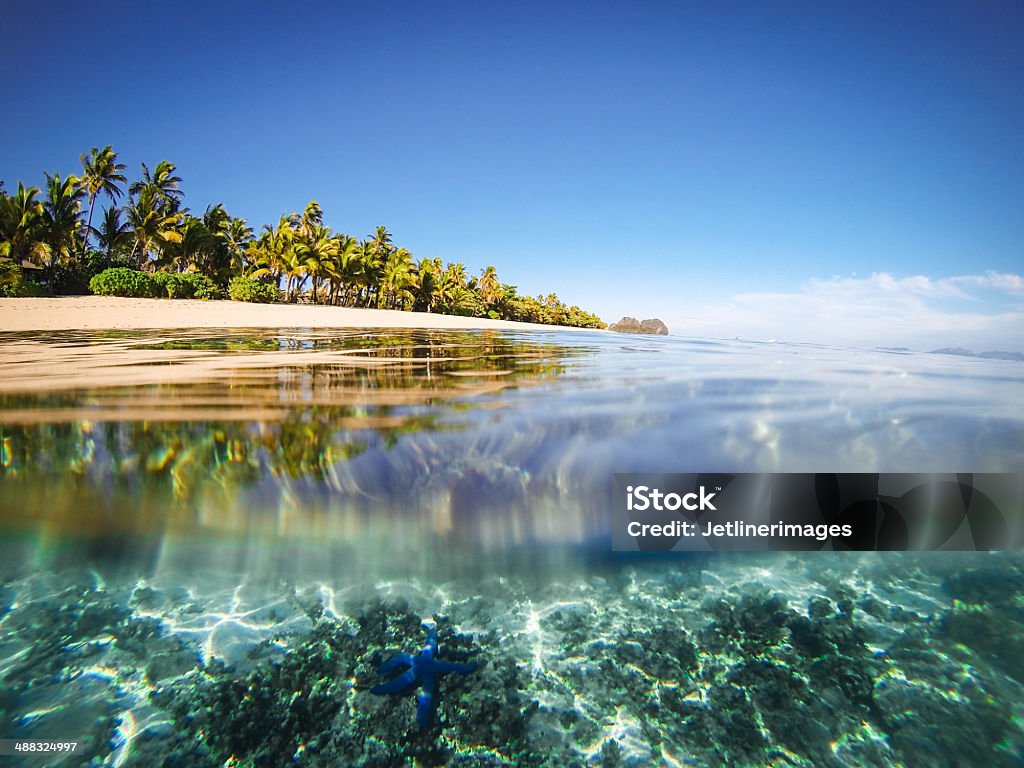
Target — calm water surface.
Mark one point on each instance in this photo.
(224, 501)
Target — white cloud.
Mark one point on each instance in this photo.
(981, 312)
(998, 281)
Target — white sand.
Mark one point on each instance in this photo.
(102, 312)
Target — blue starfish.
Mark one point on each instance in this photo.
(420, 671)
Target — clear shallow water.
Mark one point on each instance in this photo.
(189, 513)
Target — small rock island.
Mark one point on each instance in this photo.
(632, 325)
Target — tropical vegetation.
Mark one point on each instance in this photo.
(122, 281)
(56, 232)
(243, 288)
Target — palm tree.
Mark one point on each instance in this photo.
(556, 310)
(192, 250)
(216, 256)
(311, 218)
(62, 211)
(282, 259)
(344, 270)
(237, 237)
(216, 219)
(489, 287)
(294, 273)
(163, 185)
(259, 255)
(368, 273)
(428, 277)
(451, 285)
(314, 252)
(295, 250)
(270, 253)
(380, 247)
(396, 279)
(101, 173)
(380, 243)
(113, 235)
(151, 226)
(21, 226)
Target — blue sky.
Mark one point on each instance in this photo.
(787, 170)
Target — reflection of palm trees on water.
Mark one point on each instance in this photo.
(152, 454)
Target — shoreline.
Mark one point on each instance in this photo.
(114, 313)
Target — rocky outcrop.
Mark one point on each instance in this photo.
(632, 325)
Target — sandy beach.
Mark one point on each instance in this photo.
(32, 365)
(103, 312)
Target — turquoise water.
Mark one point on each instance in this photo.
(212, 539)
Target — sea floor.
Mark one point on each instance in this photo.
(806, 659)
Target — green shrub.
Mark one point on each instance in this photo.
(122, 281)
(15, 284)
(190, 285)
(174, 286)
(247, 289)
(202, 286)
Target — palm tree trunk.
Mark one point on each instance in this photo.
(88, 226)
